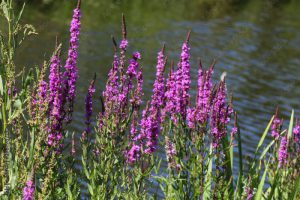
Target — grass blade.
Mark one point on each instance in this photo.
(208, 180)
(264, 135)
(290, 131)
(260, 188)
(296, 190)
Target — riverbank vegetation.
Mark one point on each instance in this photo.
(171, 146)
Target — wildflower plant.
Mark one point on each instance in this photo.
(168, 147)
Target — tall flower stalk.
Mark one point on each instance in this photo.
(71, 73)
(89, 108)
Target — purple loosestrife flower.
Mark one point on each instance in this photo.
(249, 193)
(183, 80)
(152, 133)
(158, 87)
(111, 92)
(42, 92)
(71, 72)
(134, 71)
(296, 133)
(170, 152)
(123, 47)
(220, 115)
(134, 154)
(28, 191)
(283, 152)
(170, 95)
(205, 87)
(154, 118)
(276, 126)
(233, 132)
(89, 108)
(54, 77)
(124, 44)
(200, 113)
(191, 120)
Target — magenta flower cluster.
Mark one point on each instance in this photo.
(283, 152)
(28, 191)
(183, 81)
(276, 125)
(200, 113)
(62, 85)
(296, 133)
(71, 73)
(89, 109)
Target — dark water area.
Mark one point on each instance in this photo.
(257, 43)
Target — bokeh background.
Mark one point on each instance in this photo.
(256, 42)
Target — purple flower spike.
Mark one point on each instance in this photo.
(42, 92)
(112, 88)
(159, 87)
(233, 132)
(71, 72)
(276, 125)
(283, 152)
(170, 94)
(296, 132)
(183, 80)
(54, 78)
(154, 119)
(28, 191)
(134, 71)
(89, 108)
(124, 44)
(170, 151)
(249, 193)
(220, 117)
(134, 154)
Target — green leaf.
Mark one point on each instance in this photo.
(274, 184)
(266, 150)
(241, 173)
(296, 190)
(18, 104)
(264, 135)
(260, 188)
(208, 180)
(20, 14)
(290, 131)
(1, 85)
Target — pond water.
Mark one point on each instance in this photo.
(256, 42)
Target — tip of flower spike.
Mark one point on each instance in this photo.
(200, 63)
(277, 111)
(163, 48)
(102, 105)
(188, 36)
(114, 43)
(212, 66)
(124, 31)
(56, 42)
(94, 79)
(235, 119)
(78, 4)
(171, 67)
(165, 62)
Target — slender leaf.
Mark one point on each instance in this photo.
(296, 190)
(264, 135)
(260, 188)
(290, 131)
(208, 180)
